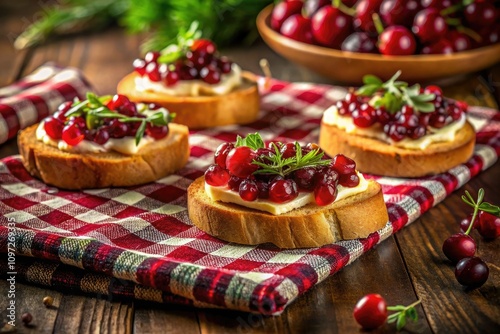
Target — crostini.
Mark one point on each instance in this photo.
(104, 142)
(392, 129)
(190, 79)
(289, 195)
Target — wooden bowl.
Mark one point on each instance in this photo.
(349, 67)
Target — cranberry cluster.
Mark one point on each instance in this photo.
(407, 122)
(235, 168)
(460, 248)
(401, 27)
(74, 129)
(199, 62)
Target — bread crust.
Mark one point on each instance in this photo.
(240, 106)
(309, 226)
(373, 156)
(108, 169)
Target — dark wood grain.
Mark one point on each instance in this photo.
(404, 268)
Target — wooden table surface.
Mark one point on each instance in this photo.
(406, 267)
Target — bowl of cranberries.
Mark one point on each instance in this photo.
(345, 39)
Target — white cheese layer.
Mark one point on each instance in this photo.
(445, 134)
(227, 83)
(224, 194)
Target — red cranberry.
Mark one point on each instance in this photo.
(325, 194)
(102, 136)
(488, 225)
(65, 106)
(239, 161)
(53, 127)
(330, 26)
(234, 183)
(284, 10)
(343, 164)
(359, 42)
(224, 64)
(153, 72)
(480, 13)
(288, 150)
(139, 66)
(72, 134)
(118, 129)
(248, 190)
(440, 47)
(171, 77)
(204, 45)
(397, 41)
(464, 223)
(312, 6)
(304, 177)
(263, 189)
(363, 18)
(459, 41)
(459, 246)
(371, 311)
(282, 191)
(152, 56)
(118, 101)
(350, 180)
(157, 132)
(221, 153)
(398, 12)
(429, 25)
(471, 272)
(298, 28)
(432, 89)
(364, 118)
(216, 176)
(210, 75)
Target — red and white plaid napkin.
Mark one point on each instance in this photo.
(142, 235)
(37, 95)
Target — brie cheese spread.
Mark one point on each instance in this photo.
(446, 133)
(227, 83)
(224, 194)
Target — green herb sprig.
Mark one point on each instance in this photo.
(480, 205)
(394, 94)
(275, 163)
(402, 313)
(95, 111)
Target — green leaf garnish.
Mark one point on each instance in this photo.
(479, 205)
(181, 44)
(402, 313)
(253, 140)
(395, 94)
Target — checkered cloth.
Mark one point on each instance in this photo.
(37, 95)
(138, 242)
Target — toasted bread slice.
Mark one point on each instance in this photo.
(373, 156)
(240, 106)
(108, 169)
(309, 226)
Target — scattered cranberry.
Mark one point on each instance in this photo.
(371, 311)
(471, 272)
(26, 318)
(488, 225)
(459, 246)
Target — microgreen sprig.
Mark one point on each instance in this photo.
(180, 44)
(95, 111)
(403, 312)
(275, 163)
(395, 94)
(479, 205)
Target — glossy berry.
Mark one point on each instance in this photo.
(239, 161)
(234, 183)
(398, 12)
(153, 72)
(471, 272)
(288, 150)
(429, 25)
(325, 194)
(363, 19)
(312, 6)
(282, 191)
(72, 134)
(330, 26)
(459, 41)
(210, 75)
(350, 180)
(248, 190)
(284, 10)
(65, 106)
(118, 101)
(140, 66)
(53, 127)
(152, 57)
(442, 46)
(480, 13)
(102, 136)
(297, 27)
(118, 129)
(304, 177)
(459, 246)
(343, 164)
(171, 77)
(359, 42)
(488, 225)
(216, 176)
(157, 131)
(221, 153)
(26, 318)
(371, 311)
(397, 41)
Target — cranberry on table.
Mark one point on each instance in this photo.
(284, 10)
(429, 26)
(330, 26)
(459, 246)
(472, 272)
(488, 225)
(297, 27)
(371, 311)
(397, 41)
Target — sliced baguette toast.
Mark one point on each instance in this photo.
(373, 156)
(240, 106)
(309, 226)
(109, 169)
